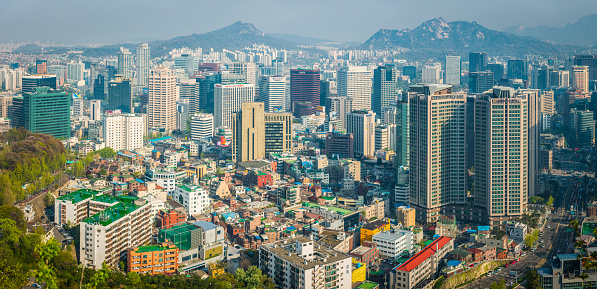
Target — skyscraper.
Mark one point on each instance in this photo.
(256, 133)
(99, 88)
(437, 151)
(161, 106)
(143, 64)
(580, 78)
(120, 94)
(583, 128)
(47, 111)
(41, 66)
(517, 69)
(96, 110)
(410, 71)
(241, 72)
(385, 90)
(432, 73)
(501, 153)
(403, 131)
(477, 61)
(340, 106)
(125, 63)
(354, 83)
(189, 90)
(361, 124)
(590, 61)
(498, 71)
(75, 71)
(479, 82)
(182, 114)
(304, 87)
(453, 69)
(202, 126)
(228, 99)
(272, 92)
(30, 82)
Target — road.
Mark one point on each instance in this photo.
(556, 239)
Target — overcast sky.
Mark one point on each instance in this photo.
(110, 21)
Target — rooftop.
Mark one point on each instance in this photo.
(79, 195)
(206, 226)
(375, 225)
(285, 250)
(423, 255)
(153, 248)
(338, 210)
(368, 285)
(125, 206)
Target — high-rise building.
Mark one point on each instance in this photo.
(75, 71)
(480, 82)
(189, 90)
(385, 90)
(498, 71)
(361, 124)
(432, 73)
(120, 94)
(77, 106)
(202, 126)
(241, 72)
(257, 133)
(228, 99)
(546, 103)
(437, 161)
(410, 71)
(477, 61)
(304, 87)
(354, 83)
(143, 61)
(96, 110)
(533, 131)
(453, 69)
(6, 106)
(30, 82)
(99, 88)
(341, 145)
(272, 92)
(590, 61)
(47, 111)
(123, 131)
(207, 81)
(583, 128)
(580, 78)
(517, 69)
(339, 106)
(542, 77)
(560, 78)
(125, 63)
(385, 137)
(161, 106)
(501, 153)
(297, 263)
(41, 66)
(324, 91)
(182, 114)
(402, 131)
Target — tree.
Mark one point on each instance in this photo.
(501, 284)
(99, 277)
(106, 153)
(13, 213)
(532, 279)
(45, 271)
(48, 200)
(10, 232)
(584, 277)
(549, 201)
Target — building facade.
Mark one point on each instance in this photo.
(123, 131)
(161, 106)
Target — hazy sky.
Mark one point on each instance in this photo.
(109, 21)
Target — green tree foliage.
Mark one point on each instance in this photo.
(531, 239)
(532, 279)
(501, 284)
(13, 213)
(106, 153)
(27, 158)
(536, 200)
(10, 232)
(550, 201)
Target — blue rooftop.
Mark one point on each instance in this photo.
(483, 228)
(471, 231)
(565, 257)
(139, 180)
(206, 226)
(160, 139)
(453, 263)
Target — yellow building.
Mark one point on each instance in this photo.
(359, 271)
(373, 228)
(406, 216)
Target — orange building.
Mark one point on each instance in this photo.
(156, 259)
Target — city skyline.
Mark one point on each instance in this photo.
(340, 25)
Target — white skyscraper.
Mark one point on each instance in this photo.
(96, 110)
(143, 64)
(75, 70)
(272, 92)
(228, 99)
(125, 63)
(241, 72)
(432, 73)
(123, 131)
(453, 68)
(182, 114)
(161, 106)
(202, 126)
(362, 126)
(354, 83)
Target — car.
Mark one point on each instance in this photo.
(489, 274)
(500, 269)
(506, 266)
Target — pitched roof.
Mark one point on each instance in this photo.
(423, 255)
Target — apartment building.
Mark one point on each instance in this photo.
(155, 259)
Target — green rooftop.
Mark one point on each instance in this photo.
(427, 243)
(105, 199)
(338, 210)
(368, 285)
(79, 195)
(260, 173)
(151, 248)
(106, 217)
(327, 198)
(189, 188)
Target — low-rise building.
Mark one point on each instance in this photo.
(155, 259)
(193, 198)
(516, 231)
(406, 216)
(373, 228)
(365, 254)
(169, 218)
(394, 244)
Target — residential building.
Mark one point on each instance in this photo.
(47, 111)
(437, 162)
(107, 236)
(580, 78)
(123, 131)
(502, 153)
(373, 228)
(406, 216)
(394, 244)
(361, 124)
(170, 218)
(354, 83)
(385, 90)
(143, 65)
(153, 259)
(125, 63)
(432, 73)
(304, 88)
(301, 263)
(194, 198)
(161, 106)
(423, 267)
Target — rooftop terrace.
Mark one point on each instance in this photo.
(79, 195)
(125, 206)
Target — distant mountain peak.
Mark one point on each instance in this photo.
(240, 27)
(581, 32)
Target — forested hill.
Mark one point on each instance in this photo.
(27, 158)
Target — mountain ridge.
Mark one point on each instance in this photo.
(581, 32)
